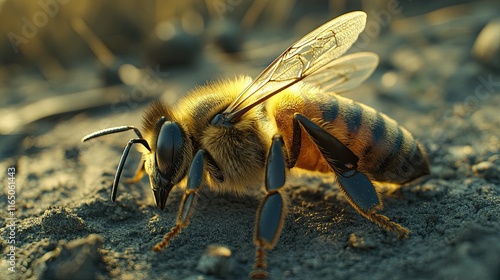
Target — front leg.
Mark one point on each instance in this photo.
(271, 212)
(188, 203)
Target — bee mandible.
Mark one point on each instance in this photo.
(238, 135)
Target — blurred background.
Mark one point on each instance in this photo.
(60, 57)
(68, 68)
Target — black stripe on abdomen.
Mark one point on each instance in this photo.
(353, 117)
(330, 110)
(378, 132)
(378, 129)
(388, 162)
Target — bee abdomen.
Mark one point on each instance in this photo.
(387, 151)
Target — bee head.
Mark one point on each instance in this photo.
(166, 163)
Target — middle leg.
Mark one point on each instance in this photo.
(272, 210)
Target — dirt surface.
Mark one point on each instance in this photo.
(429, 80)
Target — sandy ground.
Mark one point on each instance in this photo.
(66, 225)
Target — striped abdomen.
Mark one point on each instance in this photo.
(387, 152)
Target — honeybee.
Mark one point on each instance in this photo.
(236, 135)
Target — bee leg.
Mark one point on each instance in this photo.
(188, 203)
(271, 212)
(338, 156)
(139, 173)
(362, 195)
(358, 189)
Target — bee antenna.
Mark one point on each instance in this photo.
(111, 131)
(122, 163)
(118, 129)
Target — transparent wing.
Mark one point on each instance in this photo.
(345, 73)
(308, 55)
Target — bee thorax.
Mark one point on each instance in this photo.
(239, 152)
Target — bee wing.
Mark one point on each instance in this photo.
(345, 73)
(308, 55)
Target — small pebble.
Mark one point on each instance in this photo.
(485, 169)
(359, 242)
(487, 45)
(216, 260)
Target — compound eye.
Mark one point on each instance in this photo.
(169, 148)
